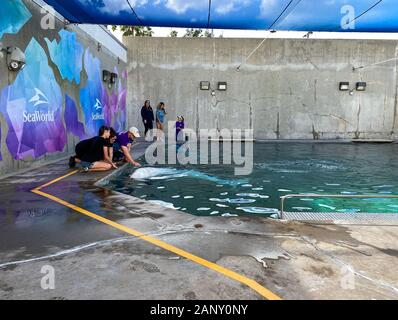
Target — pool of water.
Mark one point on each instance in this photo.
(279, 169)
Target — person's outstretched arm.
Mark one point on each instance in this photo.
(129, 158)
(107, 158)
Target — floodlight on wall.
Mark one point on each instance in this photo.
(205, 85)
(361, 86)
(16, 59)
(344, 86)
(106, 76)
(222, 86)
(113, 78)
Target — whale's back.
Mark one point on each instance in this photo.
(148, 173)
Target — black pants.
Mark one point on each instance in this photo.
(148, 126)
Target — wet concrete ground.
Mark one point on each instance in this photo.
(95, 261)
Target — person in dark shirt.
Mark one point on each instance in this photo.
(80, 150)
(97, 157)
(111, 143)
(147, 116)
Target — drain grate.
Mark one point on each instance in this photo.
(337, 216)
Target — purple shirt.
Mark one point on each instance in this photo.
(179, 125)
(123, 139)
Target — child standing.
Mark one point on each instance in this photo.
(180, 125)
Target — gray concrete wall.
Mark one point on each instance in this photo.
(110, 98)
(287, 90)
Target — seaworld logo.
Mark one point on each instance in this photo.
(38, 116)
(98, 115)
(98, 105)
(39, 98)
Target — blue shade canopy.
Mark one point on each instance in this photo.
(298, 15)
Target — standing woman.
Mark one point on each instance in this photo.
(147, 116)
(160, 116)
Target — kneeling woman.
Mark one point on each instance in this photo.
(97, 158)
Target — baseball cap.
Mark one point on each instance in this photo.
(135, 132)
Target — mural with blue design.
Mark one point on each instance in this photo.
(73, 125)
(93, 95)
(67, 55)
(14, 15)
(32, 106)
(42, 106)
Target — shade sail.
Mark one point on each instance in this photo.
(296, 15)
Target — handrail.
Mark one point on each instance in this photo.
(314, 195)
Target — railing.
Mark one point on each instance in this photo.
(290, 196)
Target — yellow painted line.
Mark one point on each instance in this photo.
(56, 180)
(213, 266)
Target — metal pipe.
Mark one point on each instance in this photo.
(312, 195)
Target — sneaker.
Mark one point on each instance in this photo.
(86, 169)
(72, 162)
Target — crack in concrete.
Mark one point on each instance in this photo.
(161, 232)
(348, 266)
(332, 116)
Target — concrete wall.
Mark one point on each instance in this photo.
(287, 90)
(63, 78)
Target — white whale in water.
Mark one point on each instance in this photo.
(149, 173)
(168, 173)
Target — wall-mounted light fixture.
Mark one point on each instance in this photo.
(344, 86)
(113, 78)
(16, 59)
(222, 86)
(361, 86)
(205, 85)
(106, 76)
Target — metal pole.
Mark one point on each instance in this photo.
(283, 198)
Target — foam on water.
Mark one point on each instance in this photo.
(326, 206)
(163, 204)
(300, 166)
(234, 201)
(348, 192)
(229, 215)
(302, 208)
(259, 210)
(252, 195)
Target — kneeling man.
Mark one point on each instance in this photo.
(122, 146)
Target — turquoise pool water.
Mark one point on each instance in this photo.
(279, 169)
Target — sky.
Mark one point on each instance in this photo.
(261, 34)
(315, 15)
